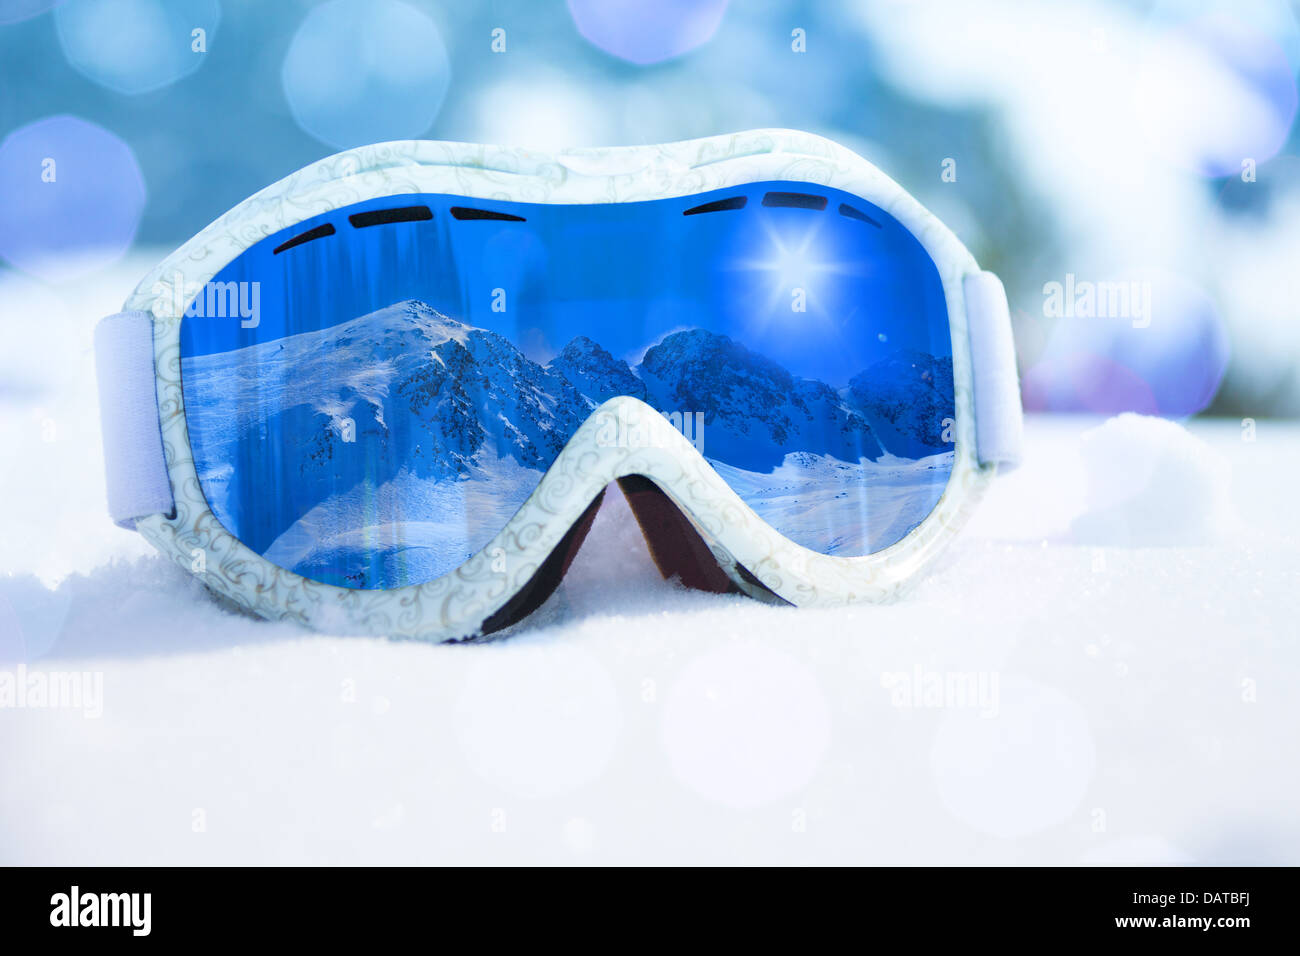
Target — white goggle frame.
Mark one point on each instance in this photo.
(153, 486)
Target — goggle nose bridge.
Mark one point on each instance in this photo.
(677, 548)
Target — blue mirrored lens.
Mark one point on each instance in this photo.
(373, 393)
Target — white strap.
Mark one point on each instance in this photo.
(128, 413)
(999, 421)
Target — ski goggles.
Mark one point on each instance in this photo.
(386, 394)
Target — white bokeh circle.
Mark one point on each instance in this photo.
(135, 46)
(1019, 770)
(1213, 91)
(536, 744)
(544, 110)
(745, 725)
(365, 71)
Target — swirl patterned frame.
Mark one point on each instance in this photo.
(455, 605)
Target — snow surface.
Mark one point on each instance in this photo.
(1044, 695)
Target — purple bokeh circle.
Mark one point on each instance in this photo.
(1167, 358)
(647, 31)
(74, 195)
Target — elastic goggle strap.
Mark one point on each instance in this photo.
(128, 413)
(999, 424)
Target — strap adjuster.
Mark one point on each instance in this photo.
(999, 419)
(134, 466)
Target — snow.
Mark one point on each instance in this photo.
(1152, 482)
(1041, 696)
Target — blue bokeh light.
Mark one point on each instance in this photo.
(359, 72)
(73, 197)
(135, 46)
(14, 11)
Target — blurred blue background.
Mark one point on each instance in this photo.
(1079, 148)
